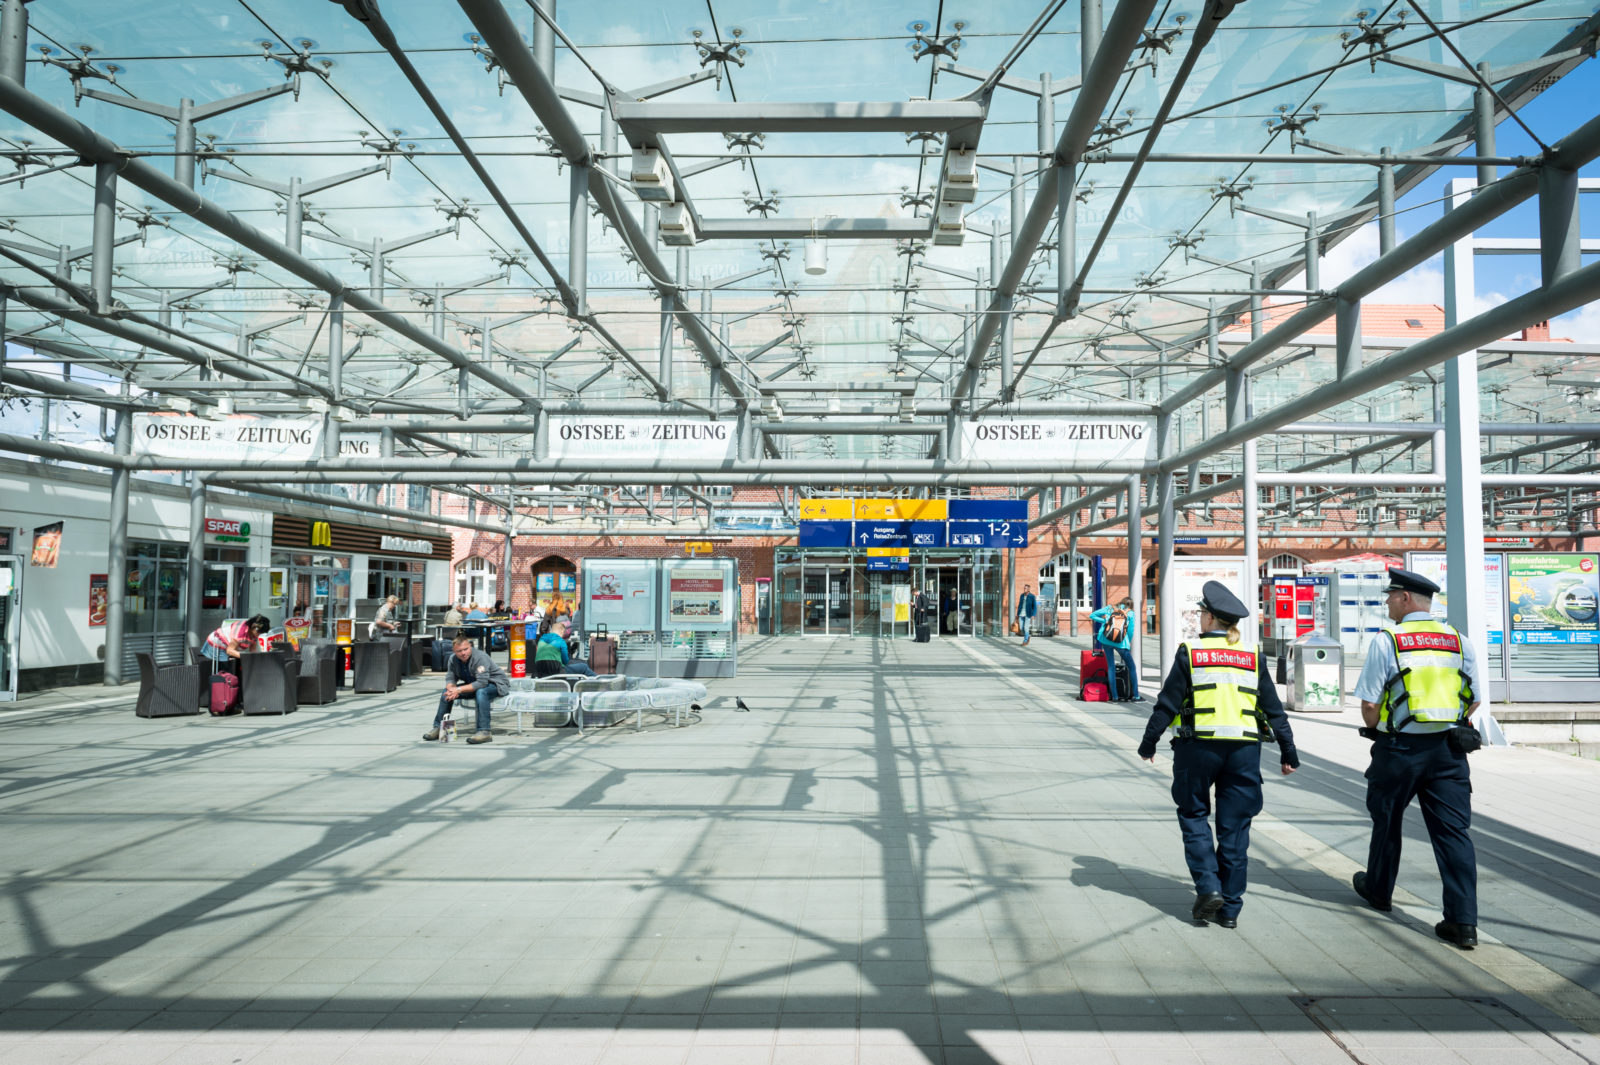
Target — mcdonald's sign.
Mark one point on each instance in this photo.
(321, 534)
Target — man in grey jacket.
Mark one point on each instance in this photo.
(473, 675)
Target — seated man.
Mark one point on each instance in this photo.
(454, 615)
(473, 676)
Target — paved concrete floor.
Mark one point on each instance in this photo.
(903, 853)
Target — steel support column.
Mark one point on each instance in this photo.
(13, 40)
(1385, 206)
(1483, 124)
(1560, 240)
(336, 346)
(105, 224)
(578, 238)
(195, 576)
(117, 552)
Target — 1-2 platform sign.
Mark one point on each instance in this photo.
(994, 534)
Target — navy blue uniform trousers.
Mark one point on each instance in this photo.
(1424, 767)
(1233, 770)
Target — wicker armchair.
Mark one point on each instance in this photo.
(319, 671)
(166, 691)
(268, 681)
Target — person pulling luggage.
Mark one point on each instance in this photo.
(1027, 610)
(1114, 632)
(1224, 706)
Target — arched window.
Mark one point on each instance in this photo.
(475, 581)
(1067, 582)
(1284, 565)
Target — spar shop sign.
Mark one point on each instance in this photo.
(169, 436)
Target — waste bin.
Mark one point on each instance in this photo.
(1316, 674)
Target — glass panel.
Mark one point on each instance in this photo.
(139, 604)
(170, 583)
(814, 601)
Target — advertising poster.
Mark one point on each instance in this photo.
(47, 545)
(296, 629)
(545, 583)
(695, 594)
(1432, 565)
(1190, 576)
(567, 583)
(1554, 598)
(99, 593)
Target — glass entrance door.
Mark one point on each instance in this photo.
(825, 601)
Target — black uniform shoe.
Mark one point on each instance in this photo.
(1359, 882)
(1227, 922)
(1464, 936)
(1206, 906)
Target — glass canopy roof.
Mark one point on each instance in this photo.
(1273, 77)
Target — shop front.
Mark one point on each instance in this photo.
(329, 570)
(849, 592)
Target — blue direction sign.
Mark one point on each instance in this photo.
(825, 533)
(963, 510)
(883, 534)
(1002, 533)
(928, 534)
(888, 563)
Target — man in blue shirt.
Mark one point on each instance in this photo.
(1027, 610)
(1123, 647)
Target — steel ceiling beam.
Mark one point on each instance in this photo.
(96, 148)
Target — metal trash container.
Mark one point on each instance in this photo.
(1316, 674)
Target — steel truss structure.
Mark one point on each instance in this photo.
(1108, 275)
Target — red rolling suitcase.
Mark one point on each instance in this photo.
(1092, 670)
(225, 693)
(602, 651)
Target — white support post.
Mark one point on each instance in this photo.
(1166, 531)
(1136, 573)
(1463, 471)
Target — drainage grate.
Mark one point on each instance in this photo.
(1373, 1029)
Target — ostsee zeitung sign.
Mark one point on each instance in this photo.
(169, 436)
(575, 436)
(1073, 439)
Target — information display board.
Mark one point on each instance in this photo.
(698, 594)
(620, 594)
(1554, 598)
(883, 534)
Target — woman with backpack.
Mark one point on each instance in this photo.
(1115, 634)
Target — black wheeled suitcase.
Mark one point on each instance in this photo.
(924, 632)
(439, 656)
(1124, 680)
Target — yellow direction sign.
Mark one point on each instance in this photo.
(697, 547)
(827, 509)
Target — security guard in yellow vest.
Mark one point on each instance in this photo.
(1419, 681)
(1222, 704)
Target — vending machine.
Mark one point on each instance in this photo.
(1310, 605)
(1284, 626)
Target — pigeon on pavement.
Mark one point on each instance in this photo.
(740, 704)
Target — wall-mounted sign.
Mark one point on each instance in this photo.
(226, 530)
(171, 436)
(1554, 598)
(575, 436)
(99, 597)
(5, 540)
(697, 547)
(401, 543)
(1081, 439)
(321, 534)
(47, 545)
